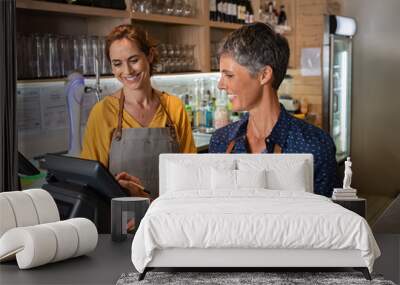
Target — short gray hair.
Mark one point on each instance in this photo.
(255, 46)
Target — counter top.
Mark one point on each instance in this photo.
(102, 266)
(201, 141)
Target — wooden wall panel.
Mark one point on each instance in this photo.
(309, 34)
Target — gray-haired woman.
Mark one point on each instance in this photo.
(253, 63)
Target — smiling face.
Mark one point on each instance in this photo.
(129, 64)
(244, 90)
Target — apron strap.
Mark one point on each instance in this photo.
(230, 146)
(170, 123)
(277, 147)
(169, 120)
(118, 132)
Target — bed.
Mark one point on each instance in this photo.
(247, 210)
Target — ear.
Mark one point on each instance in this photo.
(266, 75)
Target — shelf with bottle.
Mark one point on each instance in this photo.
(208, 107)
(278, 19)
(230, 11)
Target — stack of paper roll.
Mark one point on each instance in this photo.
(343, 194)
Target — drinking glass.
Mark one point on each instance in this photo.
(158, 6)
(21, 56)
(53, 56)
(188, 9)
(178, 8)
(168, 7)
(77, 54)
(38, 56)
(66, 55)
(105, 67)
(144, 6)
(95, 53)
(86, 56)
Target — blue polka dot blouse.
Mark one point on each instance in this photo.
(293, 136)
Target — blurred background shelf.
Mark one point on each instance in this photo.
(71, 9)
(223, 25)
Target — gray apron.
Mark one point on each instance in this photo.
(136, 150)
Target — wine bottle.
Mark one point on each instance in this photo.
(282, 19)
(234, 11)
(241, 11)
(220, 10)
(213, 10)
(225, 15)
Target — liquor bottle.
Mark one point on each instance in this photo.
(271, 14)
(238, 11)
(209, 112)
(241, 11)
(228, 15)
(246, 12)
(220, 10)
(188, 109)
(225, 9)
(282, 18)
(249, 13)
(213, 10)
(229, 11)
(234, 11)
(275, 11)
(221, 118)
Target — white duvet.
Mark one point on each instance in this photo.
(252, 218)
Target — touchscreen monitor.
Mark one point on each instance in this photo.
(83, 172)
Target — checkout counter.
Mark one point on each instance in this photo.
(83, 188)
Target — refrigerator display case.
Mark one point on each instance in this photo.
(337, 84)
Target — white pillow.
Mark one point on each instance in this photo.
(292, 179)
(183, 178)
(251, 178)
(236, 179)
(194, 176)
(223, 179)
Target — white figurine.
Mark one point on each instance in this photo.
(347, 174)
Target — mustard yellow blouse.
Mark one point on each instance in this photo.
(103, 119)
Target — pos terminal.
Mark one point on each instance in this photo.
(82, 188)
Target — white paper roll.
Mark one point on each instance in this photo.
(23, 207)
(7, 217)
(33, 246)
(67, 239)
(87, 235)
(45, 206)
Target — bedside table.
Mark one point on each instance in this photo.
(357, 205)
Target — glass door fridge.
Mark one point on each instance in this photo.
(337, 68)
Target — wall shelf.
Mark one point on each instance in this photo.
(166, 19)
(223, 25)
(49, 17)
(71, 9)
